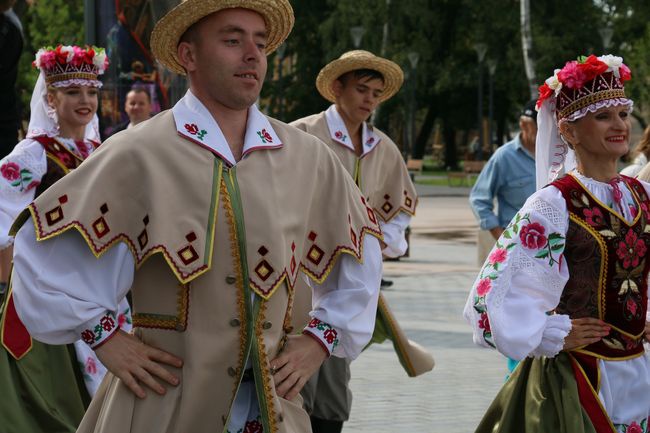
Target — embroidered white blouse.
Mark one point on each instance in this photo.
(20, 173)
(523, 279)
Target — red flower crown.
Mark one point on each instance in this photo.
(585, 81)
(66, 62)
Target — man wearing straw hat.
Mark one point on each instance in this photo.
(356, 83)
(209, 213)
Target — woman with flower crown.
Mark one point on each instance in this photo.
(565, 289)
(45, 387)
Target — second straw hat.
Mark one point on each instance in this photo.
(355, 60)
(167, 33)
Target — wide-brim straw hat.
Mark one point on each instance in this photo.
(166, 35)
(355, 60)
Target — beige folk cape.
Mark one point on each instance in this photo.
(204, 237)
(381, 173)
(384, 180)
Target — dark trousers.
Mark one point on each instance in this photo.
(319, 425)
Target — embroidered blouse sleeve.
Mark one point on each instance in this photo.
(20, 172)
(394, 234)
(346, 302)
(522, 281)
(62, 293)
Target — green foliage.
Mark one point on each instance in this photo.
(47, 22)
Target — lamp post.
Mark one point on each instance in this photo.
(414, 58)
(481, 50)
(492, 67)
(357, 33)
(280, 52)
(606, 34)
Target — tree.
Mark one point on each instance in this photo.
(47, 23)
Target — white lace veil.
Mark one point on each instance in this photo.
(43, 119)
(553, 157)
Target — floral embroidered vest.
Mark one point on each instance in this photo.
(60, 160)
(608, 269)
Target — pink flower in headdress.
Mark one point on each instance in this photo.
(625, 72)
(79, 56)
(47, 60)
(572, 75)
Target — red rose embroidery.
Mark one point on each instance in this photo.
(192, 128)
(631, 250)
(107, 323)
(253, 427)
(483, 287)
(91, 365)
(484, 322)
(64, 158)
(497, 256)
(330, 336)
(594, 216)
(267, 136)
(634, 428)
(532, 236)
(10, 171)
(631, 306)
(314, 323)
(88, 336)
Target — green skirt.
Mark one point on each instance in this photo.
(43, 392)
(541, 396)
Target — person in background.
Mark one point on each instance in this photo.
(641, 152)
(47, 387)
(137, 108)
(509, 178)
(355, 84)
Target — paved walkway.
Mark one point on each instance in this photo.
(428, 295)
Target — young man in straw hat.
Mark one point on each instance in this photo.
(208, 213)
(356, 83)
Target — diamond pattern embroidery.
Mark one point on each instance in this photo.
(188, 254)
(143, 238)
(101, 227)
(315, 255)
(264, 270)
(293, 258)
(54, 216)
(387, 207)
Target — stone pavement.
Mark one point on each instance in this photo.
(428, 295)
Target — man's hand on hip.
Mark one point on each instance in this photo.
(301, 357)
(136, 363)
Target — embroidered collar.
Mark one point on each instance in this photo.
(339, 133)
(194, 122)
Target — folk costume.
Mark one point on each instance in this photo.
(47, 387)
(211, 249)
(384, 180)
(576, 249)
